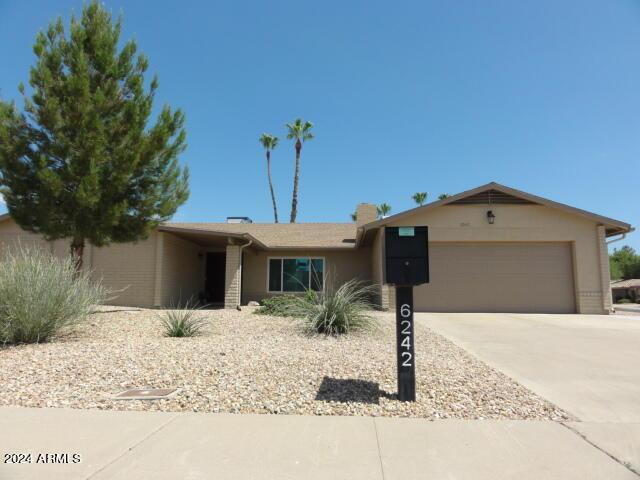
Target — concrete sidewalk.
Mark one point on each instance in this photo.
(147, 445)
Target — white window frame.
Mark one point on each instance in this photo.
(289, 257)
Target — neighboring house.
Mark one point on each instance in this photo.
(626, 289)
(491, 249)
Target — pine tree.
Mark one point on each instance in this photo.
(81, 162)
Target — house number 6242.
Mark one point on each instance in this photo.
(405, 312)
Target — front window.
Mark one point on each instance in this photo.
(296, 274)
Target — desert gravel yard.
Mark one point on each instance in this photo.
(247, 363)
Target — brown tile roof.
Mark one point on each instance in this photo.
(281, 235)
(633, 282)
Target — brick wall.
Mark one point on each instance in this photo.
(605, 275)
(232, 277)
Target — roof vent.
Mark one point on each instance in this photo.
(489, 197)
(239, 220)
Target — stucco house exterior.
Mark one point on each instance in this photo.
(491, 249)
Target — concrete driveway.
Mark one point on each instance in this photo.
(627, 309)
(587, 364)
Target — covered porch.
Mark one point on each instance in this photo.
(199, 266)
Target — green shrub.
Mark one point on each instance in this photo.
(336, 312)
(624, 300)
(182, 321)
(41, 295)
(279, 306)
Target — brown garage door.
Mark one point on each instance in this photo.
(498, 277)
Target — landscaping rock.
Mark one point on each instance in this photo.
(247, 363)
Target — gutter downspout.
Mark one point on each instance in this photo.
(242, 247)
(624, 235)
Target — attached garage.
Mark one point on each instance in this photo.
(498, 249)
(526, 277)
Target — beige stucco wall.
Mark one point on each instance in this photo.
(128, 269)
(11, 236)
(182, 270)
(340, 266)
(528, 223)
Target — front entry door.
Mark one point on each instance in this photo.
(214, 280)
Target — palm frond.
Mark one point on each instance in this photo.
(419, 197)
(383, 209)
(299, 130)
(268, 141)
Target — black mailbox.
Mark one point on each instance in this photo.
(407, 257)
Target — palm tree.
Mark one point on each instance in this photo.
(300, 131)
(354, 217)
(383, 210)
(419, 197)
(270, 142)
(442, 196)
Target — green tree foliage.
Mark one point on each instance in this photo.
(442, 196)
(300, 131)
(270, 142)
(354, 217)
(419, 197)
(624, 263)
(383, 210)
(81, 162)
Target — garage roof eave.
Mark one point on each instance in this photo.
(613, 231)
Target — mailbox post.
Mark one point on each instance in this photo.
(407, 265)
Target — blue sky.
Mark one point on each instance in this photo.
(405, 96)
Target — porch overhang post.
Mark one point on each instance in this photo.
(232, 275)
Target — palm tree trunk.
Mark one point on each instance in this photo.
(296, 177)
(273, 196)
(77, 252)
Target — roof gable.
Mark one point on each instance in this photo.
(494, 193)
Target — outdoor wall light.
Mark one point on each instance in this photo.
(490, 217)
